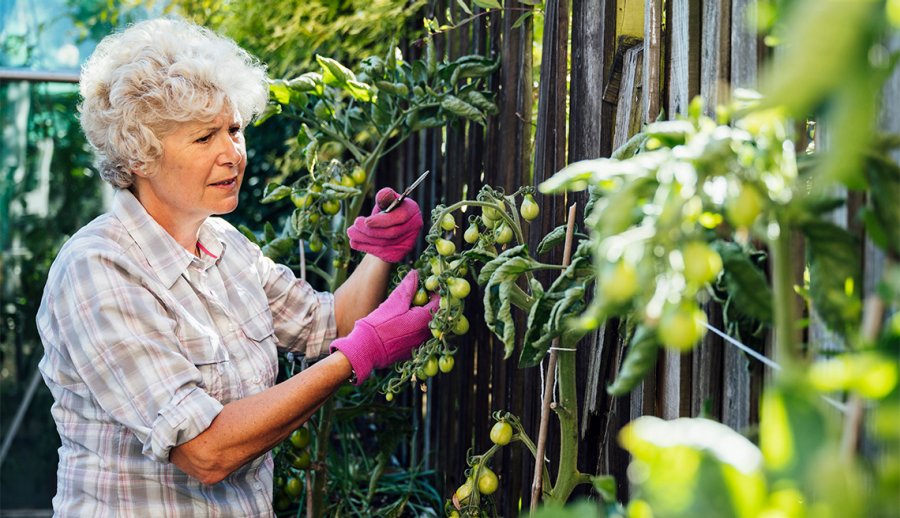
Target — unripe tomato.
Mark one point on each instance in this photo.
(437, 265)
(701, 263)
(448, 223)
(445, 247)
(460, 267)
(529, 208)
(346, 181)
(487, 481)
(421, 298)
(490, 213)
(316, 187)
(503, 234)
(301, 438)
(682, 327)
(432, 283)
(489, 223)
(301, 199)
(437, 333)
(449, 302)
(464, 491)
(313, 217)
(301, 460)
(389, 396)
(472, 234)
(331, 207)
(501, 433)
(358, 175)
(293, 488)
(461, 325)
(743, 209)
(459, 288)
(431, 366)
(315, 243)
(446, 363)
(619, 283)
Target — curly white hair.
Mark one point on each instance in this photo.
(142, 81)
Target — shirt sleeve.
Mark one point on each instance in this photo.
(303, 317)
(122, 343)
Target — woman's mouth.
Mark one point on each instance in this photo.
(225, 183)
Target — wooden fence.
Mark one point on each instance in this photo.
(623, 74)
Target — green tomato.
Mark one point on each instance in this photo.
(315, 243)
(489, 223)
(389, 396)
(464, 491)
(472, 234)
(619, 283)
(487, 481)
(432, 283)
(459, 288)
(313, 217)
(460, 267)
(293, 488)
(301, 438)
(501, 433)
(701, 263)
(421, 297)
(437, 333)
(346, 181)
(445, 363)
(437, 265)
(529, 208)
(431, 366)
(358, 175)
(331, 207)
(301, 460)
(682, 327)
(461, 325)
(301, 199)
(448, 223)
(503, 234)
(743, 209)
(445, 247)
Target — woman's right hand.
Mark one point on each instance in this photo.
(390, 333)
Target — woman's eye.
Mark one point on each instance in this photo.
(234, 130)
(204, 139)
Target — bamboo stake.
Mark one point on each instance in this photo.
(873, 315)
(537, 482)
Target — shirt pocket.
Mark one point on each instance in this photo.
(212, 360)
(262, 349)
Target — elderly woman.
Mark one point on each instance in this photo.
(161, 323)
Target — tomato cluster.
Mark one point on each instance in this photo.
(444, 268)
(294, 457)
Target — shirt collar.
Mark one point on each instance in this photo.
(166, 257)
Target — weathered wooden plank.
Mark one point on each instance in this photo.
(674, 390)
(736, 385)
(684, 51)
(706, 390)
(628, 109)
(745, 47)
(652, 55)
(592, 42)
(715, 59)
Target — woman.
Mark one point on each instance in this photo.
(160, 323)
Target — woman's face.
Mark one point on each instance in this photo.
(199, 174)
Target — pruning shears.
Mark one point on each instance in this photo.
(406, 192)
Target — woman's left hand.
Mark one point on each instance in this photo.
(387, 235)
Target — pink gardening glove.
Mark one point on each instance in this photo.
(390, 333)
(388, 236)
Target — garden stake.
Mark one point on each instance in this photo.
(536, 484)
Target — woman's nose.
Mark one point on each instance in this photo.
(231, 153)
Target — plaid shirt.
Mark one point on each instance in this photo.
(144, 343)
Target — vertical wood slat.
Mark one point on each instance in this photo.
(591, 51)
(684, 62)
(715, 60)
(652, 55)
(628, 108)
(744, 45)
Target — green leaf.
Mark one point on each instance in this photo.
(359, 91)
(280, 91)
(461, 108)
(464, 7)
(308, 82)
(487, 4)
(577, 176)
(553, 238)
(884, 179)
(605, 485)
(537, 338)
(746, 284)
(670, 133)
(488, 270)
(339, 192)
(244, 229)
(268, 232)
(641, 357)
(521, 19)
(278, 248)
(834, 274)
(275, 192)
(334, 73)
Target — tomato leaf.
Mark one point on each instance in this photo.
(834, 274)
(485, 274)
(487, 4)
(275, 192)
(552, 239)
(745, 283)
(280, 91)
(884, 178)
(643, 349)
(244, 229)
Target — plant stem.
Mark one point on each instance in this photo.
(783, 294)
(567, 414)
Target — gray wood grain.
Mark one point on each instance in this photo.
(684, 62)
(715, 58)
(652, 56)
